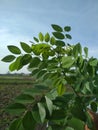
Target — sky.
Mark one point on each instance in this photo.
(21, 20)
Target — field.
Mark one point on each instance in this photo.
(11, 86)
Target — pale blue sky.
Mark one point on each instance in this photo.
(20, 20)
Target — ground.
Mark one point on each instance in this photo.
(10, 87)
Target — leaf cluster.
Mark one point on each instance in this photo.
(68, 82)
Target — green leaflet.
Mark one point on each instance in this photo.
(87, 86)
(52, 40)
(93, 106)
(76, 124)
(60, 43)
(26, 59)
(67, 61)
(67, 28)
(86, 51)
(47, 37)
(24, 99)
(49, 104)
(35, 39)
(14, 49)
(26, 47)
(58, 114)
(41, 73)
(93, 62)
(34, 62)
(41, 37)
(57, 28)
(12, 66)
(52, 94)
(8, 58)
(28, 121)
(17, 65)
(77, 111)
(42, 112)
(35, 71)
(68, 36)
(77, 50)
(58, 35)
(61, 89)
(16, 108)
(36, 115)
(16, 125)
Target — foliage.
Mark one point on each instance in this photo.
(68, 77)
